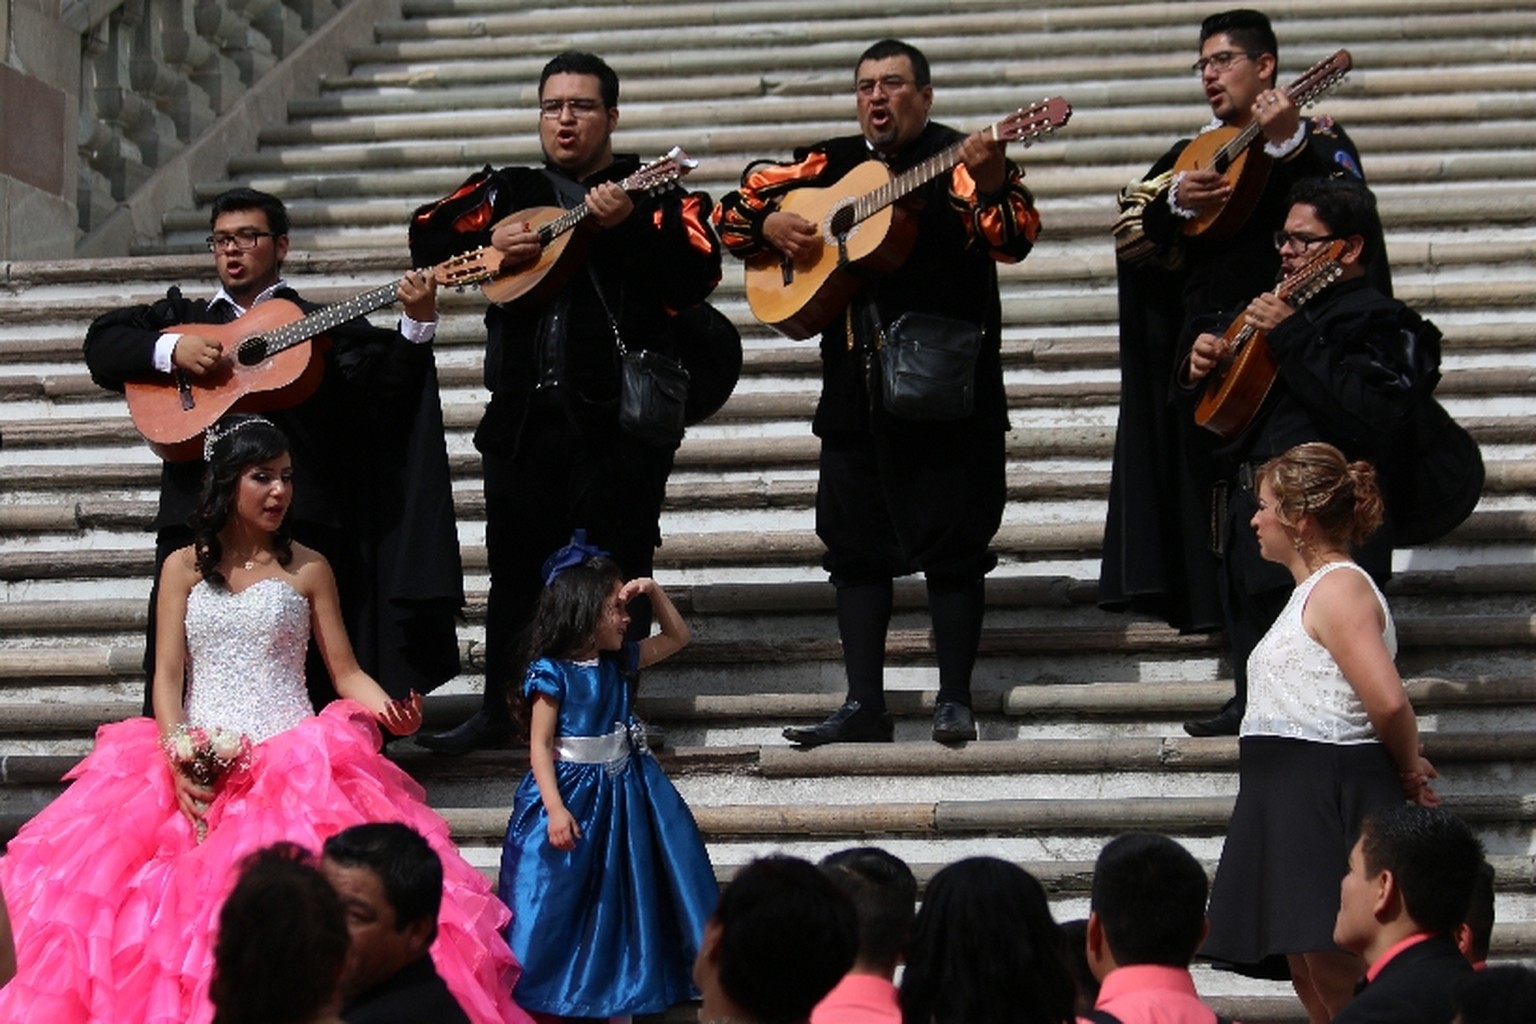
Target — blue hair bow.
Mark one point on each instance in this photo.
(575, 553)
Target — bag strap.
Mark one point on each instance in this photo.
(565, 189)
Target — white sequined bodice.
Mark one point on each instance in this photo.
(245, 657)
(1295, 689)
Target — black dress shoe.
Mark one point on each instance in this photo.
(1227, 722)
(848, 724)
(479, 732)
(953, 722)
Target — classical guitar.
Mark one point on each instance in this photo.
(561, 247)
(864, 230)
(1239, 153)
(1239, 384)
(268, 363)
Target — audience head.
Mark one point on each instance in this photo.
(884, 896)
(1148, 904)
(391, 887)
(985, 950)
(1497, 995)
(282, 942)
(244, 453)
(1476, 932)
(1412, 870)
(1346, 207)
(1074, 942)
(1314, 479)
(781, 937)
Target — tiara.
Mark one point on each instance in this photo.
(213, 435)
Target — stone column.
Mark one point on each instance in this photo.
(39, 107)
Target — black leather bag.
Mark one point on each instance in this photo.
(928, 367)
(1442, 481)
(653, 397)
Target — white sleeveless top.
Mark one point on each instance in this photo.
(1295, 690)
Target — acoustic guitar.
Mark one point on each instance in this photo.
(561, 247)
(268, 363)
(1238, 385)
(864, 230)
(1238, 154)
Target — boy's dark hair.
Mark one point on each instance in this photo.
(282, 941)
(884, 895)
(580, 62)
(1497, 995)
(896, 48)
(1149, 893)
(1346, 206)
(1247, 28)
(1434, 859)
(787, 936)
(1480, 914)
(409, 869)
(239, 199)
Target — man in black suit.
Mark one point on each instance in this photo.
(371, 481)
(391, 887)
(1410, 882)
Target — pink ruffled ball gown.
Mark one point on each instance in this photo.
(115, 903)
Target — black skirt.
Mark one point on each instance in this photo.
(1297, 816)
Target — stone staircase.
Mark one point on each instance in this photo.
(1079, 709)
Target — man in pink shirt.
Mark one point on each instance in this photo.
(1410, 882)
(884, 893)
(1146, 920)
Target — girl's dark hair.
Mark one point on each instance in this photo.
(282, 941)
(239, 440)
(1315, 479)
(564, 620)
(985, 950)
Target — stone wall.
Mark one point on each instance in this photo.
(39, 107)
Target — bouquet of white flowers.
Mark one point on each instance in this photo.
(205, 756)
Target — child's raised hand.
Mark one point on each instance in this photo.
(563, 830)
(402, 717)
(635, 587)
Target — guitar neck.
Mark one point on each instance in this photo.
(323, 319)
(1318, 79)
(907, 181)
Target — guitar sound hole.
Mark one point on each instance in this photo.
(841, 221)
(252, 351)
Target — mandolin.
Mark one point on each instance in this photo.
(864, 231)
(1237, 387)
(561, 247)
(1238, 153)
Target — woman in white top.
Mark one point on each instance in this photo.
(1328, 736)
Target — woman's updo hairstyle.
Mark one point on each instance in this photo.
(1315, 479)
(229, 446)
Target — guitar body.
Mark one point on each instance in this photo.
(172, 412)
(1235, 389)
(536, 281)
(802, 299)
(1247, 173)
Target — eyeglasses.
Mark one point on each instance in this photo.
(552, 109)
(1302, 242)
(887, 84)
(1221, 60)
(244, 241)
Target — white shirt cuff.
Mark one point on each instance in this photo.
(1289, 146)
(164, 346)
(1173, 199)
(417, 332)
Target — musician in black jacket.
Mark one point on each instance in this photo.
(1171, 287)
(897, 495)
(371, 486)
(1352, 362)
(554, 456)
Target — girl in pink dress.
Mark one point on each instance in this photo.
(114, 888)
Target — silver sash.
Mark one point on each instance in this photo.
(611, 750)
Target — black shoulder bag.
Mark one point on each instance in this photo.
(928, 367)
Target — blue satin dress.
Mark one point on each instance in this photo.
(613, 926)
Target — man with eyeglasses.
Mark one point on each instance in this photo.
(371, 432)
(894, 495)
(552, 451)
(1174, 286)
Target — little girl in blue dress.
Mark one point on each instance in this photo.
(603, 866)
